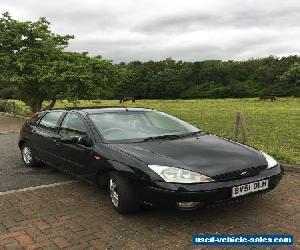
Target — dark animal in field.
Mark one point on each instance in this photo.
(267, 97)
(127, 98)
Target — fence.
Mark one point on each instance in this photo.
(240, 122)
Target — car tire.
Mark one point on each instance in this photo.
(27, 156)
(122, 194)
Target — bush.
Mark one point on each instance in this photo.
(7, 106)
(3, 105)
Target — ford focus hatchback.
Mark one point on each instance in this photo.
(147, 157)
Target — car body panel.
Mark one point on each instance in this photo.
(197, 153)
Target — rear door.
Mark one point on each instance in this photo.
(44, 135)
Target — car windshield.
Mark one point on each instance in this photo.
(136, 126)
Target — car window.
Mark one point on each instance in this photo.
(134, 126)
(73, 125)
(50, 120)
(164, 122)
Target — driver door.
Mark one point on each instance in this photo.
(74, 157)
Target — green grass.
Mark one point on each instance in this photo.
(273, 126)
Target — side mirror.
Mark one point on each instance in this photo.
(70, 139)
(86, 141)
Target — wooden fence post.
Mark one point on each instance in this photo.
(236, 126)
(240, 122)
(244, 129)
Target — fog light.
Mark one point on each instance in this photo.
(188, 205)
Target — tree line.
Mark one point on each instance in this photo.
(211, 78)
(34, 67)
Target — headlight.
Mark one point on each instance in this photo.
(271, 161)
(178, 175)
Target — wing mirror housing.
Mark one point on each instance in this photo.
(83, 140)
(69, 139)
(86, 141)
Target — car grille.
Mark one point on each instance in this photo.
(239, 174)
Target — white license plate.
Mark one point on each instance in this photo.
(250, 188)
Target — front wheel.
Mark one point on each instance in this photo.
(27, 157)
(122, 194)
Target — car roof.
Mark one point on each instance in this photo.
(102, 109)
(113, 109)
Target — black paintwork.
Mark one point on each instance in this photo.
(203, 153)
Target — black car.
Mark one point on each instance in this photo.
(147, 157)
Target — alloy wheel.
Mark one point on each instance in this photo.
(114, 196)
(27, 156)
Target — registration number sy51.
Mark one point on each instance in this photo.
(250, 188)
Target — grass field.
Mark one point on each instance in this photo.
(273, 126)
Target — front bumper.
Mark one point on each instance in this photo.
(168, 194)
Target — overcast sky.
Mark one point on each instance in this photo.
(126, 30)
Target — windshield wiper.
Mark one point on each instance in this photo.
(170, 137)
(193, 133)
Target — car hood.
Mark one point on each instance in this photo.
(206, 154)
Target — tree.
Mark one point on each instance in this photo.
(206, 79)
(41, 69)
(290, 81)
(76, 76)
(27, 47)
